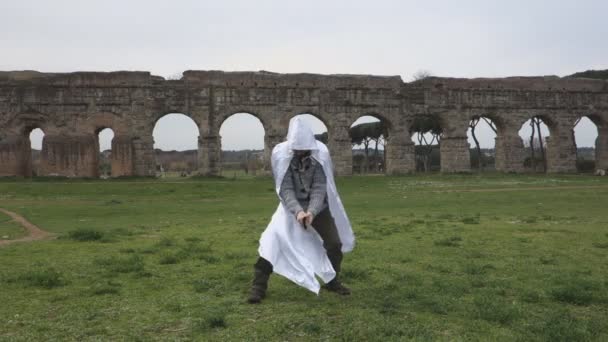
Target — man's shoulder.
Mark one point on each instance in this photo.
(280, 148)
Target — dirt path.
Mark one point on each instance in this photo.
(35, 233)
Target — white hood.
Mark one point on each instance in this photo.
(300, 136)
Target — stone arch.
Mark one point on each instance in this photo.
(254, 162)
(36, 131)
(363, 163)
(536, 151)
(388, 122)
(482, 134)
(66, 151)
(599, 144)
(179, 157)
(258, 115)
(34, 160)
(104, 160)
(315, 114)
(425, 131)
(159, 115)
(497, 119)
(121, 158)
(97, 122)
(549, 120)
(16, 153)
(595, 117)
(22, 123)
(312, 112)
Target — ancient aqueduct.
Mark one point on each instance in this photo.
(72, 108)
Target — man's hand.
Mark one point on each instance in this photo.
(308, 219)
(301, 217)
(304, 218)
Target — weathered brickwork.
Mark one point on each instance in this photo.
(72, 108)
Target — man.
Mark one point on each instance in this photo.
(309, 232)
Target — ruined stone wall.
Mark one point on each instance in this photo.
(72, 108)
(15, 156)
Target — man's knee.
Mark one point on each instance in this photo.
(333, 246)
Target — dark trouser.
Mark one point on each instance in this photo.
(324, 225)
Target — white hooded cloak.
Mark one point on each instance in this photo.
(294, 252)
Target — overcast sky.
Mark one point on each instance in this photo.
(448, 38)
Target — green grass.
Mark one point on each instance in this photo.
(9, 229)
(145, 259)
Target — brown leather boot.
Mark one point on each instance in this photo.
(261, 273)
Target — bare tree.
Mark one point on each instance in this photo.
(175, 77)
(364, 134)
(535, 125)
(421, 74)
(538, 121)
(366, 141)
(427, 150)
(473, 124)
(574, 137)
(422, 125)
(491, 124)
(532, 157)
(379, 141)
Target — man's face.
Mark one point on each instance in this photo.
(301, 153)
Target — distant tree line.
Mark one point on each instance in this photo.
(597, 74)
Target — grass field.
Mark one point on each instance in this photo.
(460, 257)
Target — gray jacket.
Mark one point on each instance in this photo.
(304, 186)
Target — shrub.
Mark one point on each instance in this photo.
(547, 260)
(211, 320)
(389, 306)
(530, 296)
(474, 269)
(453, 241)
(85, 234)
(210, 259)
(202, 285)
(165, 242)
(583, 165)
(45, 278)
(105, 289)
(470, 220)
(312, 327)
(216, 322)
(561, 325)
(130, 264)
(168, 259)
(574, 291)
(600, 244)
